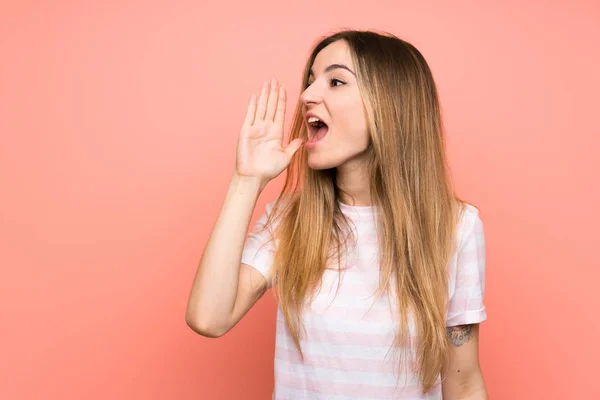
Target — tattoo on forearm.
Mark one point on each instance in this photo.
(459, 335)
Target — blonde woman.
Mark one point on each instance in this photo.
(378, 267)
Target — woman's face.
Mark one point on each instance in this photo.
(332, 96)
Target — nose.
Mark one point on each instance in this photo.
(311, 95)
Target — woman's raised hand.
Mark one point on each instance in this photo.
(260, 151)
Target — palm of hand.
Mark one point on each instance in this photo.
(260, 151)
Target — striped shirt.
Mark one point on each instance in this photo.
(347, 347)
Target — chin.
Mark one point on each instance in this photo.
(319, 164)
(318, 167)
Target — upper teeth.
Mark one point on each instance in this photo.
(313, 120)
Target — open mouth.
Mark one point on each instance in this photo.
(317, 129)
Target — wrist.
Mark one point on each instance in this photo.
(248, 182)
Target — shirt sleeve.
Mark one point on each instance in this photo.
(259, 249)
(467, 279)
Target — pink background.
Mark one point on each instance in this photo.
(119, 123)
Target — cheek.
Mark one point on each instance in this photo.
(357, 123)
(351, 115)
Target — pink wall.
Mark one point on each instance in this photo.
(119, 124)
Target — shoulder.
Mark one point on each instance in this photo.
(467, 270)
(469, 223)
(468, 214)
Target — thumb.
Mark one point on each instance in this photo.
(293, 146)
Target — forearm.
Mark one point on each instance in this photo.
(215, 286)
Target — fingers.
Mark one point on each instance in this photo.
(249, 120)
(268, 105)
(273, 97)
(292, 147)
(280, 112)
(262, 101)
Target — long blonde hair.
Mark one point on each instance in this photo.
(410, 186)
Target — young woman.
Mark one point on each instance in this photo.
(377, 265)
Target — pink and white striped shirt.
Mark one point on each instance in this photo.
(347, 348)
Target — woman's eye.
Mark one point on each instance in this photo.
(333, 82)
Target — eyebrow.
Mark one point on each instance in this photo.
(332, 67)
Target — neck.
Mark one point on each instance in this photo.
(354, 179)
